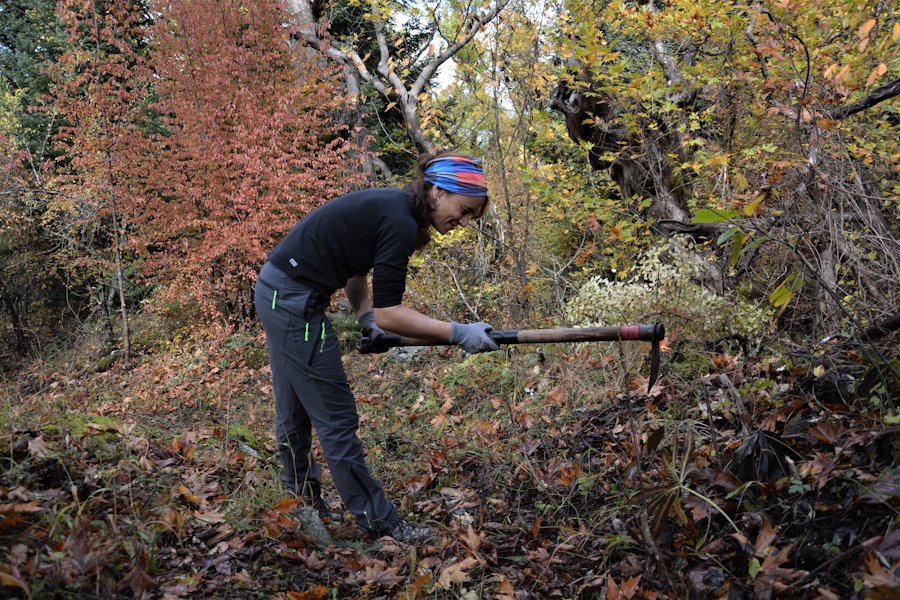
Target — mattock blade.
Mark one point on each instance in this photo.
(659, 333)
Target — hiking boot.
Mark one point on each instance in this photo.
(325, 512)
(404, 531)
(312, 493)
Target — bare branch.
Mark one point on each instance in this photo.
(881, 93)
(453, 48)
(384, 63)
(685, 93)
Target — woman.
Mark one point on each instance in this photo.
(333, 247)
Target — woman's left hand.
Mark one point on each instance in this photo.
(369, 326)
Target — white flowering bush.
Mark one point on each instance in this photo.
(664, 286)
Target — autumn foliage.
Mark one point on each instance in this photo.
(193, 134)
(246, 147)
(233, 143)
(98, 91)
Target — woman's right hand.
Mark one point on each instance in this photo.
(472, 337)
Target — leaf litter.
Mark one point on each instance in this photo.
(754, 487)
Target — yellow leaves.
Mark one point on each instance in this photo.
(896, 33)
(186, 493)
(10, 580)
(877, 72)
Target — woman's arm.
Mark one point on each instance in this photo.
(411, 323)
(357, 292)
(398, 319)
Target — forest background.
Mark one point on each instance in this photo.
(726, 168)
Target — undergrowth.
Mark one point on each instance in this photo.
(547, 472)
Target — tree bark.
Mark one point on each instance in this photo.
(879, 94)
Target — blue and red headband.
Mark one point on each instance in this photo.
(457, 175)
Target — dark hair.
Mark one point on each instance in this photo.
(421, 196)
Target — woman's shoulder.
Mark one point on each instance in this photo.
(384, 200)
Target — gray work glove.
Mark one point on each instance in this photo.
(472, 337)
(369, 326)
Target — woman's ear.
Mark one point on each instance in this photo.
(434, 195)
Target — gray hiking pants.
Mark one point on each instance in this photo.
(311, 390)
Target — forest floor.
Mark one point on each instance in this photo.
(547, 473)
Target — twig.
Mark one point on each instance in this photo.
(743, 415)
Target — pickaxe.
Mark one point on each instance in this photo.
(644, 333)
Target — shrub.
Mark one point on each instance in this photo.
(665, 285)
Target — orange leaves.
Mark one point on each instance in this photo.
(278, 518)
(863, 34)
(182, 489)
(877, 72)
(621, 591)
(13, 514)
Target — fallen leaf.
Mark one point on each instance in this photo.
(39, 448)
(557, 396)
(865, 28)
(22, 508)
(772, 577)
(621, 591)
(316, 592)
(418, 588)
(10, 580)
(137, 580)
(471, 539)
(826, 431)
(286, 505)
(182, 489)
(700, 509)
(213, 516)
(455, 574)
(764, 539)
(877, 576)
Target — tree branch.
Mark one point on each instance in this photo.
(452, 49)
(685, 93)
(881, 93)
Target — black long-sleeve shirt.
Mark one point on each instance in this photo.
(369, 230)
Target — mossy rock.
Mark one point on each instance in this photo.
(105, 363)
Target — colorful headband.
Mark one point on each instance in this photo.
(457, 175)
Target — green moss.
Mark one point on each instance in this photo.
(105, 363)
(256, 358)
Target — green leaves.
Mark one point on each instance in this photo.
(785, 292)
(715, 215)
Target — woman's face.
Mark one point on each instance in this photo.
(452, 210)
